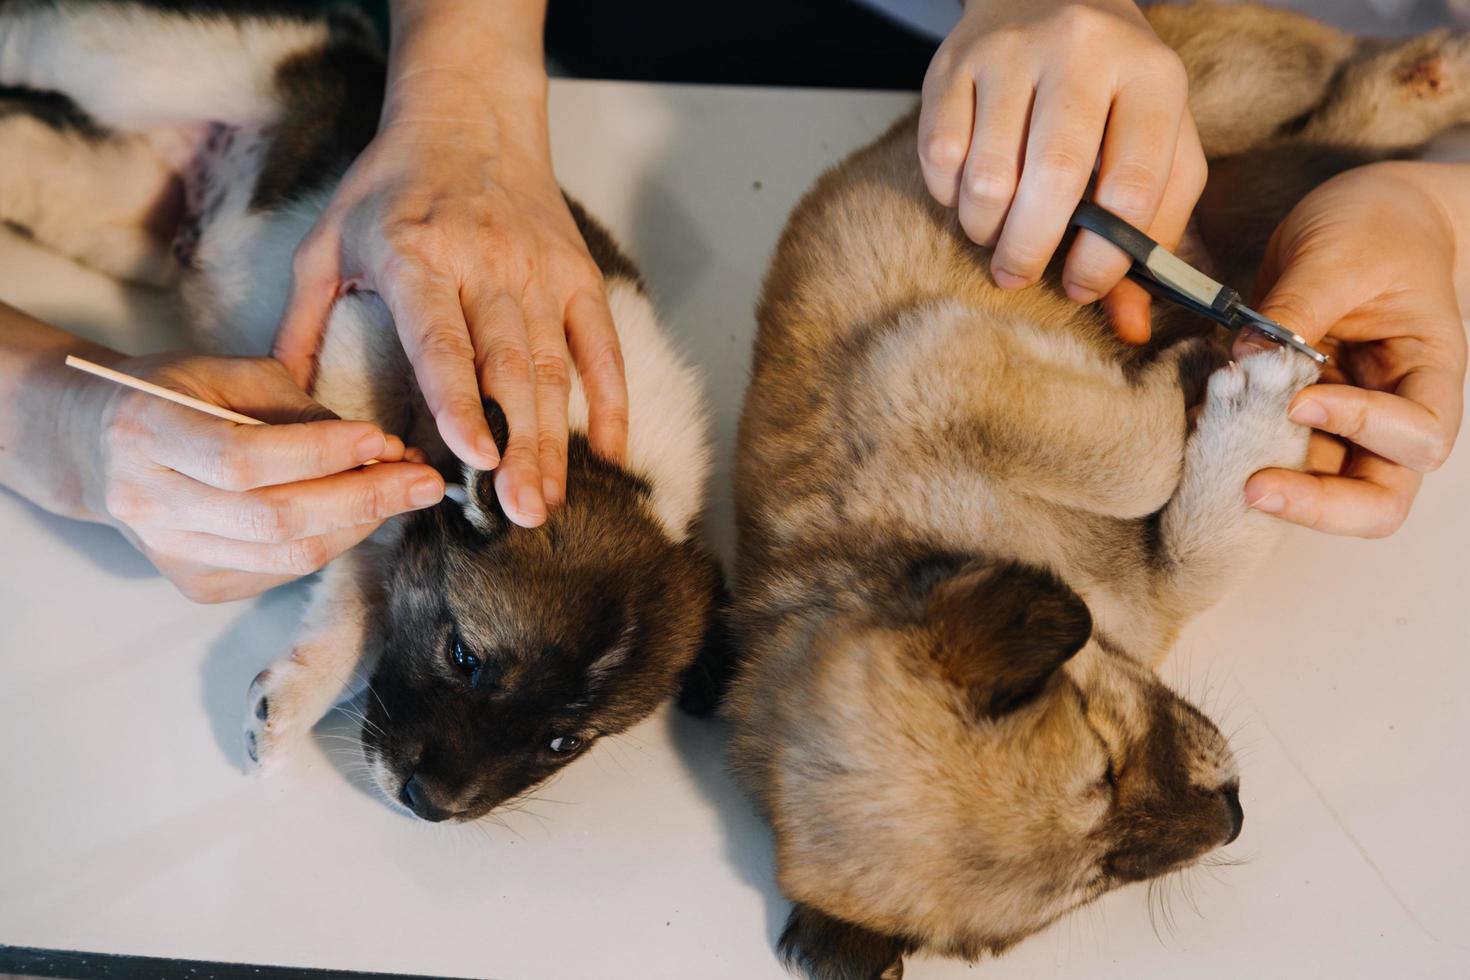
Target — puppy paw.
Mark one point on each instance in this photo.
(280, 709)
(1245, 409)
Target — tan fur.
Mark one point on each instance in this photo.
(934, 474)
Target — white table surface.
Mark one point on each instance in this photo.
(126, 825)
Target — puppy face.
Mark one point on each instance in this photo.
(955, 775)
(508, 652)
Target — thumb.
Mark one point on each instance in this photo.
(1306, 289)
(314, 281)
(275, 396)
(288, 404)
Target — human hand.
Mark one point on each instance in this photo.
(1364, 267)
(1019, 102)
(454, 217)
(226, 511)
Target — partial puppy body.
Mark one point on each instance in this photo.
(972, 522)
(196, 149)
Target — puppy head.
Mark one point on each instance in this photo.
(508, 652)
(957, 769)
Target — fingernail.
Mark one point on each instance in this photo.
(415, 455)
(1271, 503)
(1008, 280)
(489, 454)
(1308, 413)
(530, 504)
(1249, 342)
(550, 491)
(371, 446)
(426, 492)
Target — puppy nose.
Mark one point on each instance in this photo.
(416, 799)
(1237, 815)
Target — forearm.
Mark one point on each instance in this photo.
(470, 64)
(47, 445)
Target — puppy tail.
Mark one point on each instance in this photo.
(131, 65)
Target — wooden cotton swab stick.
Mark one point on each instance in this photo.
(167, 394)
(158, 391)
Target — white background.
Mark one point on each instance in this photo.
(126, 825)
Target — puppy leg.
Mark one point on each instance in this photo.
(1208, 536)
(110, 201)
(703, 685)
(1252, 70)
(1395, 99)
(327, 665)
(824, 948)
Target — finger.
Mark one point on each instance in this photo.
(593, 341)
(993, 161)
(1393, 426)
(1305, 289)
(1128, 304)
(395, 452)
(1188, 174)
(1129, 307)
(1372, 506)
(552, 368)
(275, 515)
(431, 323)
(1137, 157)
(209, 585)
(1326, 454)
(946, 118)
(315, 276)
(291, 559)
(243, 457)
(507, 374)
(1061, 148)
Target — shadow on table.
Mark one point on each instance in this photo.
(101, 545)
(262, 633)
(700, 745)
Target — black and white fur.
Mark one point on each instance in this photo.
(196, 148)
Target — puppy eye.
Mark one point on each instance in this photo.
(565, 744)
(1110, 777)
(465, 662)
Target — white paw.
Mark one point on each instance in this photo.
(280, 710)
(1245, 409)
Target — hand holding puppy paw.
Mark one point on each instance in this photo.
(1021, 101)
(1365, 268)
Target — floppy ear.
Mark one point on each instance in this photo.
(825, 948)
(1002, 631)
(481, 506)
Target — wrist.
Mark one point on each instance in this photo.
(466, 59)
(52, 416)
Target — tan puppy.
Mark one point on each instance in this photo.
(972, 523)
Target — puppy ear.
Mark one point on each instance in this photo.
(825, 948)
(481, 505)
(1002, 631)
